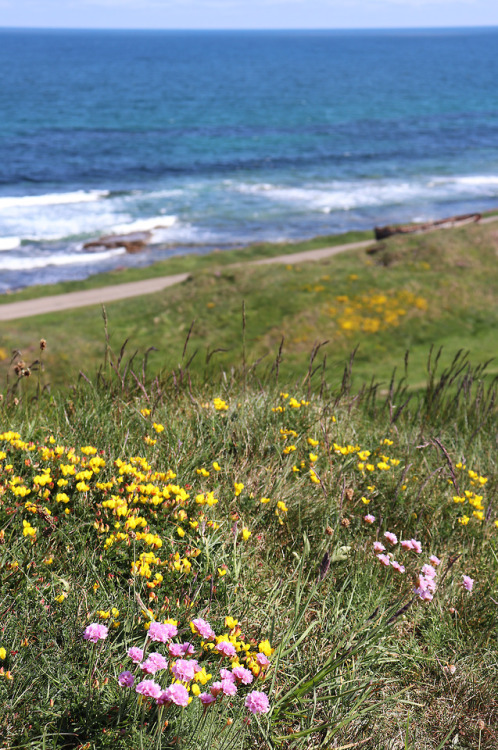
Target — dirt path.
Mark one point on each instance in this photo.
(59, 302)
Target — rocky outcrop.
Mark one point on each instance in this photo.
(134, 242)
(453, 221)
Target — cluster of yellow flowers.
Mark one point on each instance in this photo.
(374, 311)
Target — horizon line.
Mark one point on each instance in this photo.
(251, 29)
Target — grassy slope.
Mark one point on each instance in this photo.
(262, 587)
(450, 278)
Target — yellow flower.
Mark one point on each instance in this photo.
(464, 520)
(3, 653)
(180, 531)
(158, 427)
(245, 534)
(238, 487)
(282, 506)
(312, 442)
(222, 572)
(60, 598)
(219, 404)
(145, 412)
(230, 623)
(265, 500)
(265, 648)
(216, 466)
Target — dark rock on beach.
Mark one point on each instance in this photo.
(134, 242)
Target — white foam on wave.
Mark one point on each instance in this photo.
(27, 263)
(145, 225)
(52, 199)
(348, 195)
(9, 243)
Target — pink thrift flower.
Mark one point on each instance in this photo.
(378, 547)
(126, 679)
(203, 628)
(243, 675)
(149, 688)
(369, 518)
(154, 663)
(391, 538)
(95, 632)
(384, 559)
(177, 694)
(397, 566)
(407, 544)
(416, 546)
(262, 660)
(185, 669)
(216, 688)
(226, 648)
(207, 698)
(225, 674)
(468, 583)
(435, 560)
(257, 702)
(228, 687)
(162, 632)
(180, 649)
(135, 654)
(429, 571)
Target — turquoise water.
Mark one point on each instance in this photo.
(215, 139)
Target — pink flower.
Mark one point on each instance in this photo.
(468, 583)
(416, 546)
(162, 632)
(216, 688)
(154, 663)
(257, 702)
(180, 649)
(397, 566)
(207, 698)
(369, 518)
(135, 654)
(126, 679)
(429, 571)
(391, 538)
(176, 693)
(228, 687)
(242, 675)
(262, 660)
(226, 648)
(384, 559)
(149, 688)
(95, 632)
(435, 560)
(425, 587)
(225, 674)
(407, 544)
(203, 628)
(185, 669)
(378, 547)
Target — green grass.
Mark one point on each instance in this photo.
(358, 662)
(443, 282)
(184, 264)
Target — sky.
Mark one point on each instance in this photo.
(247, 14)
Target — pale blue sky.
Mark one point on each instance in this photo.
(247, 14)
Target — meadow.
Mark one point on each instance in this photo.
(214, 550)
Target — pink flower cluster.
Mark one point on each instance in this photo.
(468, 583)
(154, 663)
(203, 628)
(257, 702)
(162, 632)
(426, 583)
(412, 544)
(95, 632)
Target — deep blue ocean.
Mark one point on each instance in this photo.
(216, 139)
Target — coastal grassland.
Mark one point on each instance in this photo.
(437, 289)
(255, 508)
(188, 263)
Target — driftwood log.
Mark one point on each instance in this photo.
(453, 221)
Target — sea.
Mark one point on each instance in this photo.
(212, 140)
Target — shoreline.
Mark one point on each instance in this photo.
(28, 304)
